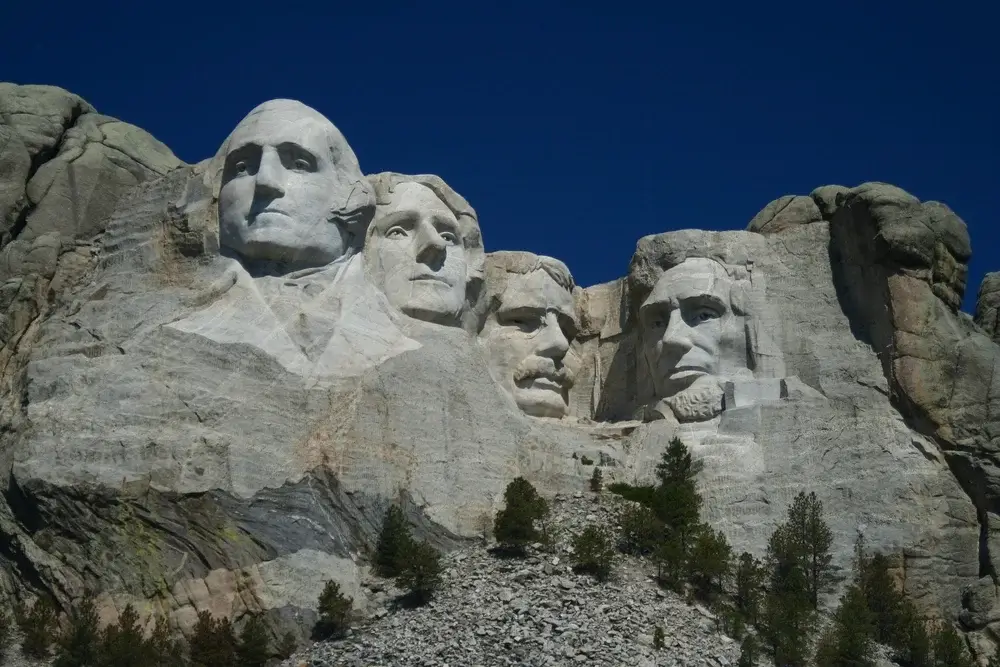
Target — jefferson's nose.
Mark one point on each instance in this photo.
(676, 339)
(552, 341)
(430, 245)
(270, 180)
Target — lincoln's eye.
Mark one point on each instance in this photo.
(705, 314)
(241, 167)
(301, 164)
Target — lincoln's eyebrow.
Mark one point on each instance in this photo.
(705, 299)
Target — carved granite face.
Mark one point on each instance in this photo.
(691, 338)
(527, 337)
(291, 189)
(420, 260)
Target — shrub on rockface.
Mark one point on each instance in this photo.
(597, 481)
(166, 649)
(334, 612)
(421, 576)
(514, 526)
(253, 649)
(78, 645)
(710, 563)
(593, 552)
(394, 542)
(658, 638)
(675, 500)
(37, 623)
(286, 646)
(748, 588)
(640, 530)
(123, 644)
(213, 643)
(6, 632)
(848, 639)
(949, 648)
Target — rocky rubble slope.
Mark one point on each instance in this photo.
(536, 611)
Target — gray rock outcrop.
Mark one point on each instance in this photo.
(186, 434)
(988, 305)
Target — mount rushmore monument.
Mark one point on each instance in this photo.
(216, 377)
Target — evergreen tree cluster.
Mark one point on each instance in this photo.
(83, 643)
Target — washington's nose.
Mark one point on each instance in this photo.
(270, 181)
(430, 245)
(553, 342)
(677, 337)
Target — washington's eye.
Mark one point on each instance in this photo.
(301, 164)
(395, 233)
(450, 238)
(240, 167)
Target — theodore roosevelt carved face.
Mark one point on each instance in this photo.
(694, 336)
(292, 194)
(530, 323)
(424, 249)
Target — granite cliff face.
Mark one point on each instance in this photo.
(208, 408)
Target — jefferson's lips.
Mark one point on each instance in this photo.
(678, 371)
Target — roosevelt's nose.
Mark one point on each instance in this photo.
(270, 180)
(430, 246)
(552, 342)
(676, 339)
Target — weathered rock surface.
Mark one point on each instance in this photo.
(988, 305)
(185, 435)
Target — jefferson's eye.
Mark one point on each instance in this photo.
(241, 167)
(302, 164)
(396, 233)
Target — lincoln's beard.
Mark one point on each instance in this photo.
(699, 402)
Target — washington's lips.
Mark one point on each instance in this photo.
(687, 369)
(546, 381)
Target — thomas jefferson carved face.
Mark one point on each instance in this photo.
(527, 334)
(292, 192)
(692, 338)
(421, 261)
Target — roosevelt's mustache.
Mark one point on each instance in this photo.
(533, 367)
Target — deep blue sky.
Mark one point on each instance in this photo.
(572, 131)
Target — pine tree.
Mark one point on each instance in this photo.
(78, 645)
(334, 612)
(6, 633)
(394, 542)
(749, 650)
(676, 500)
(597, 480)
(848, 640)
(710, 564)
(213, 643)
(805, 519)
(37, 624)
(641, 530)
(421, 575)
(949, 648)
(165, 649)
(123, 644)
(749, 586)
(788, 616)
(671, 563)
(287, 646)
(514, 526)
(658, 638)
(593, 552)
(253, 649)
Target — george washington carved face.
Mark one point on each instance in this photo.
(292, 193)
